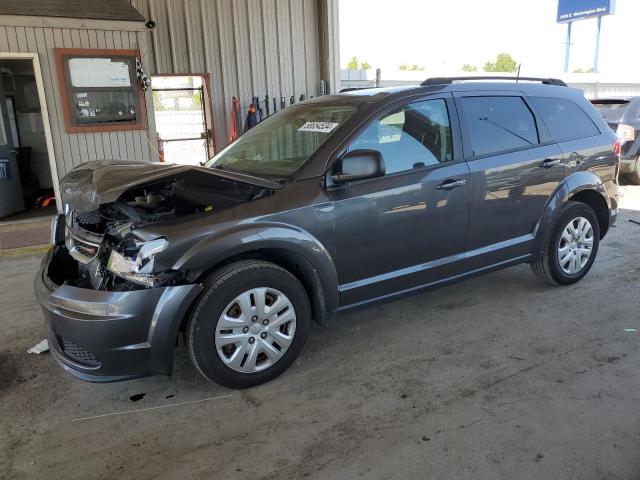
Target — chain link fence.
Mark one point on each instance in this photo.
(181, 125)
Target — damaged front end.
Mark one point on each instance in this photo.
(106, 214)
(109, 251)
(113, 305)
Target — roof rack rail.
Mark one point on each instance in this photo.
(449, 80)
(351, 89)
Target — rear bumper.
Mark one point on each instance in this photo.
(104, 336)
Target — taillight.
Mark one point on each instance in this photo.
(617, 147)
(625, 132)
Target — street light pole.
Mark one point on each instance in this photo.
(567, 48)
(597, 52)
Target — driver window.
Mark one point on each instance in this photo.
(413, 136)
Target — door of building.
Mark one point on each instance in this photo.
(183, 119)
(11, 199)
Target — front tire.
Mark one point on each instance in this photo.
(571, 246)
(249, 324)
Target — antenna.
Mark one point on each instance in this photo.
(518, 74)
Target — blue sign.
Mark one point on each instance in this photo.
(571, 10)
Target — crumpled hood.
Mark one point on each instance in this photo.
(103, 181)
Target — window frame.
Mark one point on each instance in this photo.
(381, 112)
(63, 55)
(544, 138)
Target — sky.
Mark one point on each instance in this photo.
(442, 36)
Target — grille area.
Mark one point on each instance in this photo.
(77, 353)
(85, 249)
(83, 244)
(88, 218)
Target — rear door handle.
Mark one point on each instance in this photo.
(549, 162)
(451, 184)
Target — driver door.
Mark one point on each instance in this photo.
(407, 228)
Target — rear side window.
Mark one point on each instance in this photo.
(499, 124)
(564, 119)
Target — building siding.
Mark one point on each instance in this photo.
(249, 48)
(73, 149)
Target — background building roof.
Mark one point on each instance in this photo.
(93, 9)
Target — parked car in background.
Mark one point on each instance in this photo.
(333, 204)
(623, 116)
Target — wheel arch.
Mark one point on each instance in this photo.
(599, 205)
(290, 248)
(584, 187)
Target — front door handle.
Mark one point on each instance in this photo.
(451, 184)
(549, 162)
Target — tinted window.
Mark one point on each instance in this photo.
(564, 119)
(413, 136)
(498, 124)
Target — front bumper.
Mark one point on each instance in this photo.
(104, 336)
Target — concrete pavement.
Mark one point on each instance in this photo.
(496, 377)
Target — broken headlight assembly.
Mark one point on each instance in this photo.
(137, 267)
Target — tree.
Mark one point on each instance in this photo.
(580, 70)
(413, 67)
(504, 63)
(365, 66)
(469, 68)
(353, 63)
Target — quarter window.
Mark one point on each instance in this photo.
(498, 124)
(413, 136)
(564, 119)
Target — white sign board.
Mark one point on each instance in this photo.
(320, 127)
(98, 72)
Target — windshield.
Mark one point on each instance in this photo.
(282, 143)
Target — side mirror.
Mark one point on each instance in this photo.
(359, 165)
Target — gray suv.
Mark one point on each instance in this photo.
(333, 204)
(623, 116)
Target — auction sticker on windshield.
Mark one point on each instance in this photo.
(321, 127)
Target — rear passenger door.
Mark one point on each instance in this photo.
(515, 166)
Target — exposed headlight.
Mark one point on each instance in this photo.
(137, 269)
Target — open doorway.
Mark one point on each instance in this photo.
(183, 118)
(26, 178)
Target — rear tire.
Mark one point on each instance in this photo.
(249, 324)
(571, 246)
